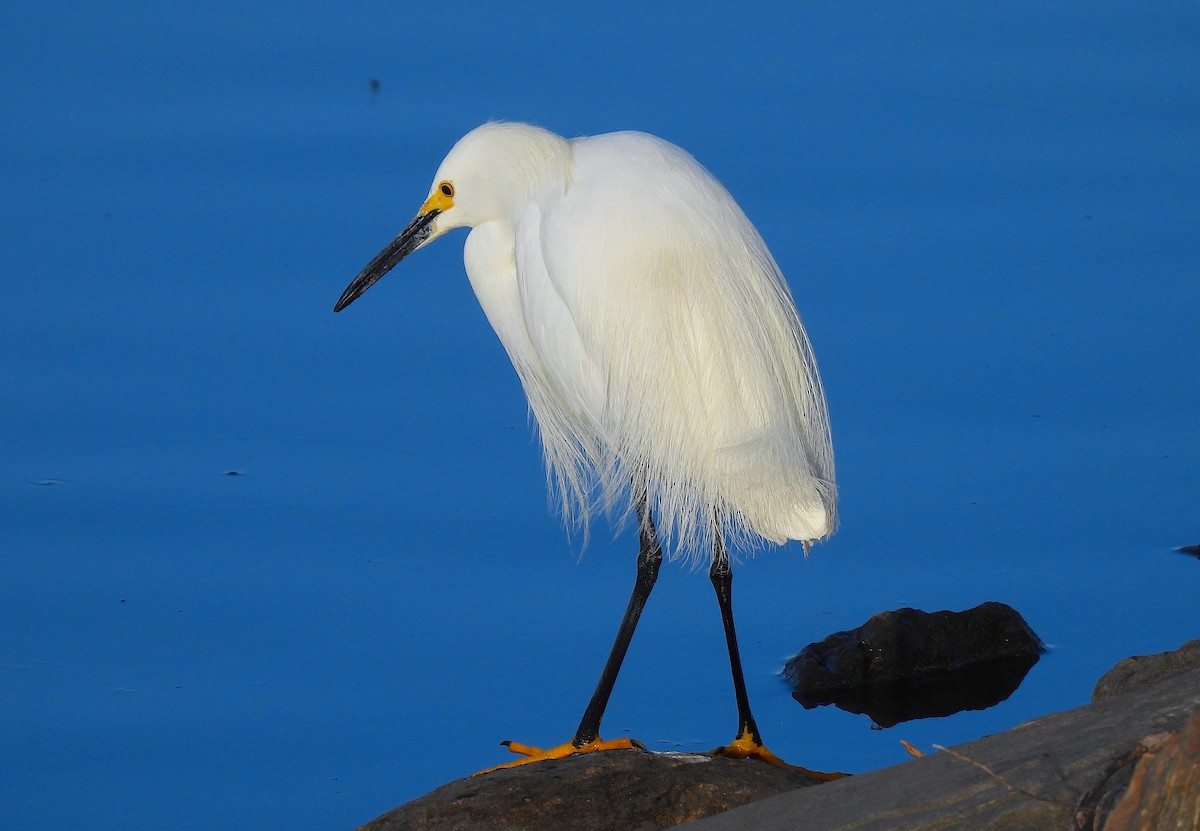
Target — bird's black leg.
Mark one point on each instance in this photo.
(722, 579)
(649, 559)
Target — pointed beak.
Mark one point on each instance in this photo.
(406, 242)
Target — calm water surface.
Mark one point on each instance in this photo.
(259, 564)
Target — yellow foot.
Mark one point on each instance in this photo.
(537, 754)
(747, 746)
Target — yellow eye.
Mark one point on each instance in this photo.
(446, 188)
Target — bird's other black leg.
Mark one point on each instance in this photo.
(722, 579)
(748, 742)
(649, 560)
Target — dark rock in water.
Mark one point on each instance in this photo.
(1194, 550)
(1144, 670)
(910, 664)
(627, 789)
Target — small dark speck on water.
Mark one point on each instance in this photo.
(1194, 550)
(233, 473)
(49, 483)
(374, 86)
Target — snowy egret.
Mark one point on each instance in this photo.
(660, 350)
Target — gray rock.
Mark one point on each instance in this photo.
(1165, 789)
(1143, 670)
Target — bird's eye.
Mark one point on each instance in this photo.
(446, 188)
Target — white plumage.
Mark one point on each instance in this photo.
(655, 337)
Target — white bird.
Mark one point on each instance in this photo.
(658, 345)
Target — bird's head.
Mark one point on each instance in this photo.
(487, 176)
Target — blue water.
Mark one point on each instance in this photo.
(261, 564)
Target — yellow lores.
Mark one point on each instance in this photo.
(441, 200)
(659, 348)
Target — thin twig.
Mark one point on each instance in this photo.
(997, 776)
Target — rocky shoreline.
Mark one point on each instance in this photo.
(1128, 760)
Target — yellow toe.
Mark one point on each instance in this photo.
(537, 754)
(747, 746)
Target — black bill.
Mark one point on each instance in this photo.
(406, 242)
